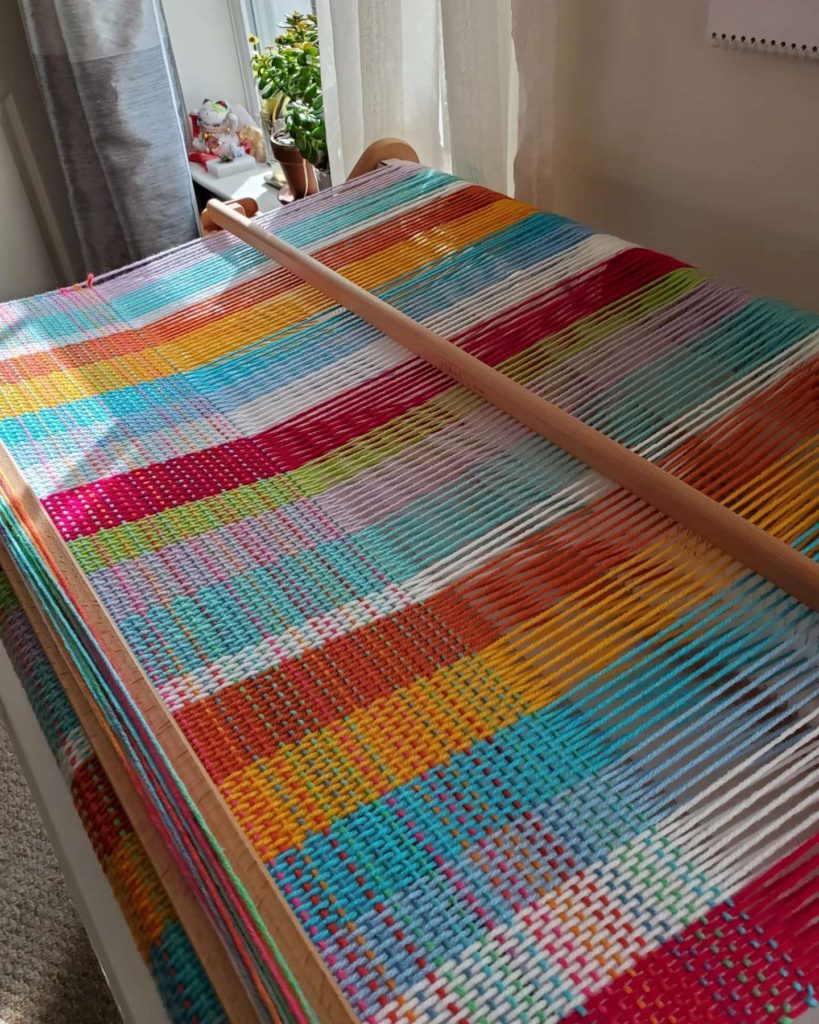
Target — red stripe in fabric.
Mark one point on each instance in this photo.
(127, 497)
(245, 295)
(408, 225)
(102, 815)
(750, 954)
(752, 437)
(350, 672)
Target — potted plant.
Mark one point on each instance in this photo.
(304, 124)
(272, 101)
(288, 76)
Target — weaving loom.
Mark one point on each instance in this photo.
(417, 717)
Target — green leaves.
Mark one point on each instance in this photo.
(292, 68)
(305, 125)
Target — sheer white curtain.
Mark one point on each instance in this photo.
(535, 28)
(443, 75)
(381, 73)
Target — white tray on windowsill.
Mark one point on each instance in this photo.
(249, 184)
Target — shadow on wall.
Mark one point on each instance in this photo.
(704, 153)
(762, 257)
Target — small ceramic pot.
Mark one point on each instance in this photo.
(300, 175)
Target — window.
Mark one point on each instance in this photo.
(265, 16)
(260, 18)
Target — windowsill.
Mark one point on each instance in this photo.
(244, 184)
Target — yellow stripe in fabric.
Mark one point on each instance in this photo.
(368, 450)
(138, 892)
(586, 633)
(226, 334)
(305, 787)
(216, 340)
(778, 499)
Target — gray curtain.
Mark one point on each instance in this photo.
(112, 94)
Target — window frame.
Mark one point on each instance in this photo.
(240, 22)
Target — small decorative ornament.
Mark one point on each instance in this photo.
(218, 131)
(252, 141)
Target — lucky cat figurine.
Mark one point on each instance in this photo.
(218, 130)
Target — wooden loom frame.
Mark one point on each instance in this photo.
(744, 541)
(224, 978)
(103, 918)
(209, 948)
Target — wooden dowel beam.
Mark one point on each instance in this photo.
(747, 543)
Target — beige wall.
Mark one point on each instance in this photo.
(205, 50)
(705, 153)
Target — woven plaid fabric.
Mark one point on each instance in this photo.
(514, 746)
(182, 983)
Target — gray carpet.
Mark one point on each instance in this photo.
(48, 972)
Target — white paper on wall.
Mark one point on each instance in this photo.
(789, 27)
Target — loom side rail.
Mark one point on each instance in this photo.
(750, 545)
(316, 984)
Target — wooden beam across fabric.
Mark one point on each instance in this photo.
(433, 720)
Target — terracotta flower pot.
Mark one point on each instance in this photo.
(300, 175)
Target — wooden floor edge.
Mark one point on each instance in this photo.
(208, 947)
(318, 986)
